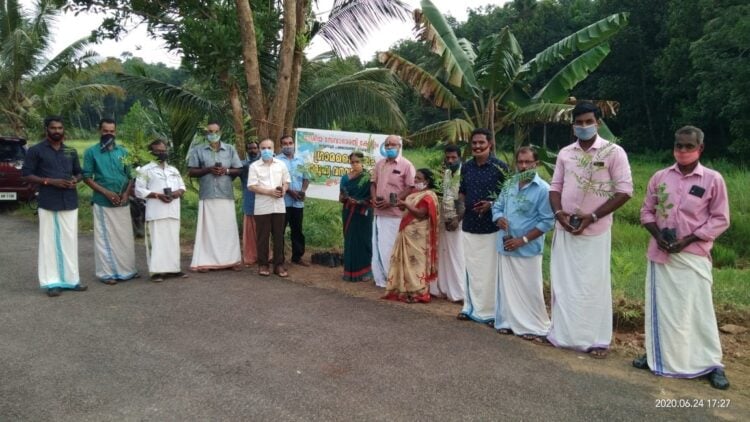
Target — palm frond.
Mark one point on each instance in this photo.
(420, 80)
(432, 28)
(177, 98)
(499, 63)
(560, 85)
(446, 131)
(351, 22)
(541, 113)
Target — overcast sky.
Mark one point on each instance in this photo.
(70, 28)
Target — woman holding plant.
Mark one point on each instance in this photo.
(356, 216)
(414, 258)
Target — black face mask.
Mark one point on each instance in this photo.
(106, 140)
(453, 167)
(160, 156)
(55, 136)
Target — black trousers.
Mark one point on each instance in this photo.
(294, 221)
(266, 226)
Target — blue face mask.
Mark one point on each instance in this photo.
(287, 150)
(584, 133)
(391, 153)
(266, 154)
(213, 137)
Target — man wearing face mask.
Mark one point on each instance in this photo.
(451, 267)
(249, 248)
(295, 198)
(269, 179)
(217, 241)
(591, 180)
(685, 209)
(392, 179)
(55, 168)
(162, 187)
(107, 172)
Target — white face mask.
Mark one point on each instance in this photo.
(420, 186)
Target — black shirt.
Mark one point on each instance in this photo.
(44, 161)
(481, 183)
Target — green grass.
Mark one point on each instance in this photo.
(322, 227)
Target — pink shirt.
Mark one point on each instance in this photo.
(587, 179)
(392, 176)
(704, 214)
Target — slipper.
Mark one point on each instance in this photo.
(281, 272)
(463, 317)
(264, 272)
(203, 270)
(504, 331)
(599, 353)
(157, 278)
(110, 282)
(528, 337)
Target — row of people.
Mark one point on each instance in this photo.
(491, 240)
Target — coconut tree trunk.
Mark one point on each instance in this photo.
(299, 46)
(280, 100)
(237, 118)
(255, 99)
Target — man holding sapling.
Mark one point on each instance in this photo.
(591, 180)
(685, 209)
(523, 214)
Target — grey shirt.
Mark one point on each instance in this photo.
(215, 187)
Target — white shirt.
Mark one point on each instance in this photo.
(153, 178)
(268, 175)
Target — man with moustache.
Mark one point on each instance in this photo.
(294, 198)
(482, 178)
(685, 209)
(591, 180)
(107, 172)
(217, 241)
(56, 169)
(451, 267)
(162, 187)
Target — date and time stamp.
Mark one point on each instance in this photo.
(693, 403)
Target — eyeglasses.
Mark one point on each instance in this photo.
(686, 147)
(525, 163)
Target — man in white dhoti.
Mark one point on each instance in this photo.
(162, 187)
(591, 180)
(56, 169)
(392, 178)
(481, 181)
(523, 214)
(107, 172)
(217, 241)
(685, 209)
(451, 267)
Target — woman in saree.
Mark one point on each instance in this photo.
(356, 216)
(414, 257)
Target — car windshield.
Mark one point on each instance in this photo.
(11, 151)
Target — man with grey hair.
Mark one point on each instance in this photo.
(685, 209)
(391, 179)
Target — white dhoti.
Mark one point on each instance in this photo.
(581, 291)
(682, 336)
(217, 240)
(520, 298)
(163, 246)
(451, 267)
(58, 249)
(114, 247)
(384, 231)
(480, 283)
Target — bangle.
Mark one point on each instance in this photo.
(594, 217)
(525, 239)
(558, 212)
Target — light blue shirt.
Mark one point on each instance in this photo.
(296, 167)
(525, 209)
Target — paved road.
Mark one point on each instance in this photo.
(233, 346)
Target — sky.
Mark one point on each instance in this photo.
(70, 28)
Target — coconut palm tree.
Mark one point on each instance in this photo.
(31, 85)
(492, 86)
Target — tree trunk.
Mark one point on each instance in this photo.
(291, 107)
(283, 81)
(237, 118)
(255, 100)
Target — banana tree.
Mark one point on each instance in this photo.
(492, 86)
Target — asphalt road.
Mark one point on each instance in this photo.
(234, 346)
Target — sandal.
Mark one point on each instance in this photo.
(598, 353)
(281, 272)
(157, 278)
(264, 271)
(504, 331)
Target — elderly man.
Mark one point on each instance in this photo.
(269, 179)
(591, 180)
(481, 181)
(685, 210)
(392, 176)
(523, 214)
(217, 241)
(107, 172)
(451, 267)
(56, 169)
(162, 187)
(294, 200)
